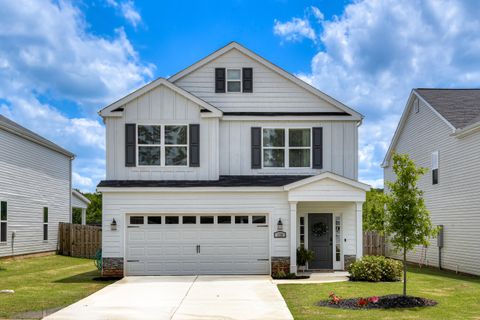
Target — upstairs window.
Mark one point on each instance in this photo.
(435, 167)
(234, 80)
(162, 145)
(3, 222)
(289, 148)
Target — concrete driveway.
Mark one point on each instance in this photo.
(189, 297)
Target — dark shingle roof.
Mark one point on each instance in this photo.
(460, 107)
(23, 132)
(224, 181)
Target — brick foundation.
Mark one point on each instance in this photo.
(348, 260)
(112, 267)
(280, 264)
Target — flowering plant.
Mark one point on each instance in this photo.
(362, 302)
(334, 299)
(373, 299)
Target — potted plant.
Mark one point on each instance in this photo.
(304, 256)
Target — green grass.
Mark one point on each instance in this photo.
(47, 282)
(458, 297)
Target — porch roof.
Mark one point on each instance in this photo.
(327, 186)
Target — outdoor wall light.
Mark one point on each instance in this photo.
(113, 225)
(280, 225)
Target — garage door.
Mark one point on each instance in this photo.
(197, 244)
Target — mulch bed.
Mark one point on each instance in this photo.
(384, 302)
(292, 278)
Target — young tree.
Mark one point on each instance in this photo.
(407, 219)
(374, 211)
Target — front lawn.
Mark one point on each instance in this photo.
(458, 297)
(47, 282)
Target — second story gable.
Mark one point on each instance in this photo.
(182, 128)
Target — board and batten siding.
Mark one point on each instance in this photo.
(161, 106)
(32, 177)
(271, 91)
(455, 201)
(340, 145)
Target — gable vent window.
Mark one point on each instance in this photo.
(3, 222)
(290, 148)
(162, 145)
(435, 167)
(45, 223)
(234, 80)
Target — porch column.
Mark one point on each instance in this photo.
(293, 236)
(84, 216)
(359, 230)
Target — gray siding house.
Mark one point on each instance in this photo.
(35, 190)
(440, 130)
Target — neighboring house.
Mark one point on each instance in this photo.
(79, 201)
(227, 167)
(440, 130)
(35, 190)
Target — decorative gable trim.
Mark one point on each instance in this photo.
(327, 175)
(401, 124)
(116, 109)
(268, 64)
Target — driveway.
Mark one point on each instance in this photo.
(189, 297)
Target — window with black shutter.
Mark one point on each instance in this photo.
(247, 78)
(220, 80)
(3, 222)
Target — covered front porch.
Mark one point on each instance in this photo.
(326, 217)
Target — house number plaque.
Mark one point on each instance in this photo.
(279, 234)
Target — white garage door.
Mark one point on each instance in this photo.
(197, 244)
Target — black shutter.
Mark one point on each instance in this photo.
(130, 145)
(247, 79)
(317, 148)
(256, 148)
(194, 145)
(219, 80)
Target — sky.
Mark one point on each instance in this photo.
(62, 61)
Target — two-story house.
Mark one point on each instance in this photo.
(227, 167)
(440, 130)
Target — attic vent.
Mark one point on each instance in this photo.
(416, 106)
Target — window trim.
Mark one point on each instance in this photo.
(286, 148)
(4, 221)
(239, 80)
(45, 235)
(434, 167)
(162, 145)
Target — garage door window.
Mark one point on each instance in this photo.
(241, 219)
(224, 219)
(206, 220)
(136, 220)
(154, 220)
(189, 220)
(259, 219)
(171, 220)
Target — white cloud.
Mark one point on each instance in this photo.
(127, 10)
(374, 53)
(52, 68)
(294, 30)
(82, 183)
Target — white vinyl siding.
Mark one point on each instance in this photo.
(37, 177)
(454, 202)
(271, 92)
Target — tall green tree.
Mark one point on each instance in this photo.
(94, 210)
(374, 211)
(408, 221)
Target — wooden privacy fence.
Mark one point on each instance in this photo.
(78, 240)
(373, 244)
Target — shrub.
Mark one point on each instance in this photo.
(375, 269)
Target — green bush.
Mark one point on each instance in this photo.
(375, 269)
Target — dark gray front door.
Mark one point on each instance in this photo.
(320, 240)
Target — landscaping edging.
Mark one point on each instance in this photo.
(393, 301)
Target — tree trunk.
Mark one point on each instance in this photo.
(404, 271)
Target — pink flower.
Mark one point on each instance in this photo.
(373, 299)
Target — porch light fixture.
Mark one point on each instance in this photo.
(280, 225)
(113, 225)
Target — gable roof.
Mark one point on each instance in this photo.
(460, 107)
(77, 194)
(115, 108)
(327, 175)
(13, 127)
(235, 45)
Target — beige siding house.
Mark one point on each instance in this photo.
(35, 190)
(227, 167)
(440, 130)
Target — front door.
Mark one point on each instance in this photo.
(320, 240)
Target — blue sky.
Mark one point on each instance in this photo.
(61, 61)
